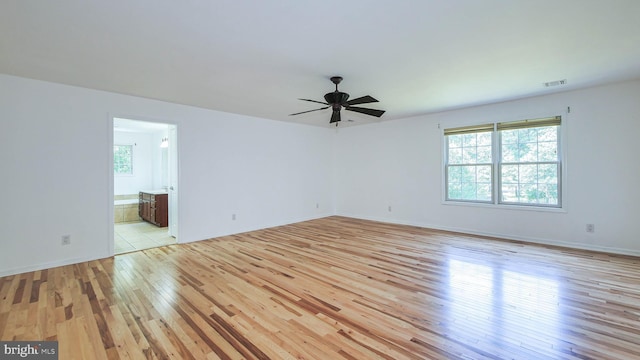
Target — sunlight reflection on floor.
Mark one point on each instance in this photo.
(515, 307)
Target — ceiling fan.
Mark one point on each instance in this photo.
(338, 100)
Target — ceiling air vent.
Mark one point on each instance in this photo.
(555, 83)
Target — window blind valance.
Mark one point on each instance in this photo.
(468, 129)
(529, 123)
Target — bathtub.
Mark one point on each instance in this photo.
(125, 208)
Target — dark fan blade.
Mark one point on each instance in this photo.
(319, 102)
(372, 112)
(361, 100)
(326, 107)
(335, 117)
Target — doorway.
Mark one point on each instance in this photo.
(145, 193)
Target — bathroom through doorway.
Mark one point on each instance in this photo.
(145, 191)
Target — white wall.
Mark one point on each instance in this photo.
(160, 161)
(55, 144)
(399, 163)
(145, 163)
(56, 141)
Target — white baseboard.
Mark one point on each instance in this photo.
(532, 240)
(540, 241)
(57, 263)
(47, 265)
(261, 227)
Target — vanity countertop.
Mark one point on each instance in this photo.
(155, 192)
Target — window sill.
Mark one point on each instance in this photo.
(506, 207)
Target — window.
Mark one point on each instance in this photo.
(469, 165)
(524, 165)
(529, 162)
(123, 159)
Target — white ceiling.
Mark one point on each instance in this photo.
(257, 57)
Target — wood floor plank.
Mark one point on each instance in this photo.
(334, 288)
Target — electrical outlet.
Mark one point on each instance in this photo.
(66, 239)
(317, 206)
(233, 216)
(389, 208)
(590, 228)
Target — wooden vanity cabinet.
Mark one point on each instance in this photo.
(153, 207)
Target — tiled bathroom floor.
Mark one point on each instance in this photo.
(139, 236)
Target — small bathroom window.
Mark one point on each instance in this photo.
(123, 159)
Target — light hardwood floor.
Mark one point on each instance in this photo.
(334, 288)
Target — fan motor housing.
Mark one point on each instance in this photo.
(336, 97)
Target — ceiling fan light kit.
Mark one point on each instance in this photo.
(338, 100)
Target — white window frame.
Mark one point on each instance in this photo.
(496, 175)
(466, 130)
(132, 159)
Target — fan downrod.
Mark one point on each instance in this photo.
(336, 80)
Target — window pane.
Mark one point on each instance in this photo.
(455, 174)
(469, 155)
(454, 141)
(509, 137)
(527, 152)
(468, 174)
(468, 191)
(454, 191)
(509, 193)
(527, 135)
(469, 182)
(484, 154)
(528, 174)
(509, 150)
(548, 133)
(529, 145)
(509, 174)
(548, 194)
(484, 139)
(527, 193)
(123, 159)
(483, 174)
(468, 140)
(548, 174)
(547, 151)
(529, 166)
(455, 156)
(466, 180)
(530, 184)
(484, 192)
(469, 148)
